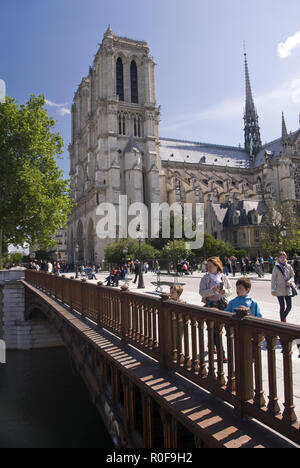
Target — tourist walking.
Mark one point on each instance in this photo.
(203, 266)
(257, 266)
(233, 260)
(282, 285)
(243, 267)
(136, 270)
(50, 267)
(226, 266)
(270, 261)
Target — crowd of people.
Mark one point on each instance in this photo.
(215, 285)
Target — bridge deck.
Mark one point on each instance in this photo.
(196, 409)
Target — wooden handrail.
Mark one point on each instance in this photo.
(183, 338)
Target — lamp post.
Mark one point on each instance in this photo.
(76, 262)
(125, 252)
(284, 236)
(141, 284)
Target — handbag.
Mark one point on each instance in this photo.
(294, 290)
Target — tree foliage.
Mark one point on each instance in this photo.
(118, 252)
(175, 251)
(213, 247)
(281, 229)
(34, 197)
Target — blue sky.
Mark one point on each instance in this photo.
(47, 47)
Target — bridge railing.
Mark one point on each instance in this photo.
(194, 341)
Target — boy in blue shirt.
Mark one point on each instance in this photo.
(243, 288)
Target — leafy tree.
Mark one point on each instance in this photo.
(281, 228)
(34, 198)
(160, 243)
(175, 250)
(15, 258)
(114, 253)
(213, 247)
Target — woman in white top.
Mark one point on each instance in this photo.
(215, 286)
(282, 283)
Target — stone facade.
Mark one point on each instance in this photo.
(115, 145)
(59, 251)
(15, 330)
(116, 150)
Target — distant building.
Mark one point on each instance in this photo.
(59, 251)
(116, 150)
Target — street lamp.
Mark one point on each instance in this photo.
(76, 257)
(125, 252)
(141, 284)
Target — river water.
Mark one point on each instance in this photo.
(45, 404)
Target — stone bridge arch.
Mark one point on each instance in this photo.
(40, 329)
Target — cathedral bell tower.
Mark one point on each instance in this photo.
(115, 142)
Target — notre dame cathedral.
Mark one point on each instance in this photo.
(116, 149)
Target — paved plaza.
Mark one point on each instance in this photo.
(261, 292)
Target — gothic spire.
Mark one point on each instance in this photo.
(284, 133)
(251, 128)
(249, 98)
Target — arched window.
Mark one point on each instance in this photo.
(177, 185)
(134, 82)
(135, 126)
(236, 218)
(120, 79)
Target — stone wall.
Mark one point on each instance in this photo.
(14, 329)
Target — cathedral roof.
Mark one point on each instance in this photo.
(275, 147)
(202, 153)
(238, 213)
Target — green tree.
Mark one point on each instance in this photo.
(34, 198)
(213, 247)
(175, 250)
(118, 252)
(281, 228)
(15, 258)
(160, 242)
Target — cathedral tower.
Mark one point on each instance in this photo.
(115, 145)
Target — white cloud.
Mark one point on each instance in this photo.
(296, 91)
(285, 48)
(62, 109)
(284, 97)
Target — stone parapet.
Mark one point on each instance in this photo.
(17, 332)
